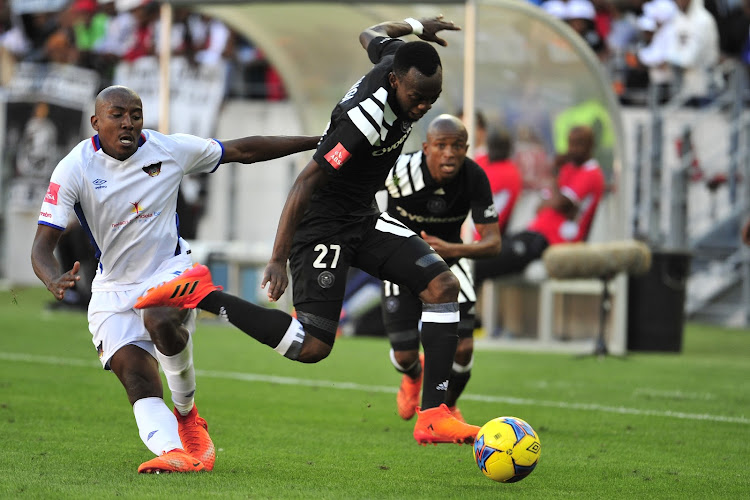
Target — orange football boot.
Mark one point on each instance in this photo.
(456, 413)
(193, 430)
(437, 425)
(176, 460)
(184, 292)
(407, 398)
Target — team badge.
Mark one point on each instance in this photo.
(153, 170)
(392, 304)
(436, 205)
(326, 279)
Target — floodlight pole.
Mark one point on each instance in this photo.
(165, 54)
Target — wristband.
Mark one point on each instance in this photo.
(416, 26)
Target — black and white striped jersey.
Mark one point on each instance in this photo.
(362, 140)
(418, 201)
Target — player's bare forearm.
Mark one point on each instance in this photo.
(294, 209)
(45, 265)
(489, 243)
(261, 148)
(487, 246)
(395, 29)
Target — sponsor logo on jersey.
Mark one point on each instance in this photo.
(326, 279)
(428, 219)
(99, 184)
(352, 91)
(338, 156)
(137, 208)
(153, 170)
(46, 215)
(397, 144)
(51, 196)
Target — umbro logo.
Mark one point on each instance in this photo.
(99, 183)
(153, 170)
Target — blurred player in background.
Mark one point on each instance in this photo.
(431, 192)
(122, 184)
(503, 174)
(564, 215)
(330, 222)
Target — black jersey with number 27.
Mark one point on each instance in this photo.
(362, 142)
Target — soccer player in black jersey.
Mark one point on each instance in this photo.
(330, 222)
(432, 191)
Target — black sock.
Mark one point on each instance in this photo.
(265, 325)
(439, 340)
(456, 385)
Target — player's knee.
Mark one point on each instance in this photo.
(443, 288)
(406, 358)
(162, 318)
(313, 350)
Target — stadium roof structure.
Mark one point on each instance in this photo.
(512, 61)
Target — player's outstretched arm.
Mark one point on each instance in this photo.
(310, 179)
(425, 29)
(261, 148)
(487, 246)
(45, 264)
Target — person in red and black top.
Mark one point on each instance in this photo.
(565, 214)
(330, 222)
(432, 191)
(505, 178)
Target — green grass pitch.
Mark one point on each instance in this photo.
(646, 426)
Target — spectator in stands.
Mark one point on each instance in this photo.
(580, 15)
(89, 31)
(532, 159)
(694, 50)
(503, 174)
(565, 214)
(733, 23)
(654, 55)
(142, 41)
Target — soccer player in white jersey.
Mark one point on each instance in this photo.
(122, 185)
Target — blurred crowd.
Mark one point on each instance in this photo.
(98, 34)
(670, 44)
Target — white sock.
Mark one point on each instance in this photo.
(291, 343)
(180, 373)
(157, 425)
(398, 366)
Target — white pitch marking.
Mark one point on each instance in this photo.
(351, 386)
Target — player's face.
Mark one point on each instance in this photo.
(416, 93)
(119, 122)
(579, 147)
(445, 152)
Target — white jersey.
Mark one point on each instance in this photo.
(128, 207)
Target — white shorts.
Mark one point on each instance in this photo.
(114, 323)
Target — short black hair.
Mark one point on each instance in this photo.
(419, 55)
(481, 121)
(498, 144)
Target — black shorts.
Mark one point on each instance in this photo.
(402, 309)
(380, 245)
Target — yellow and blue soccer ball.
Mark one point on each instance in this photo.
(507, 449)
